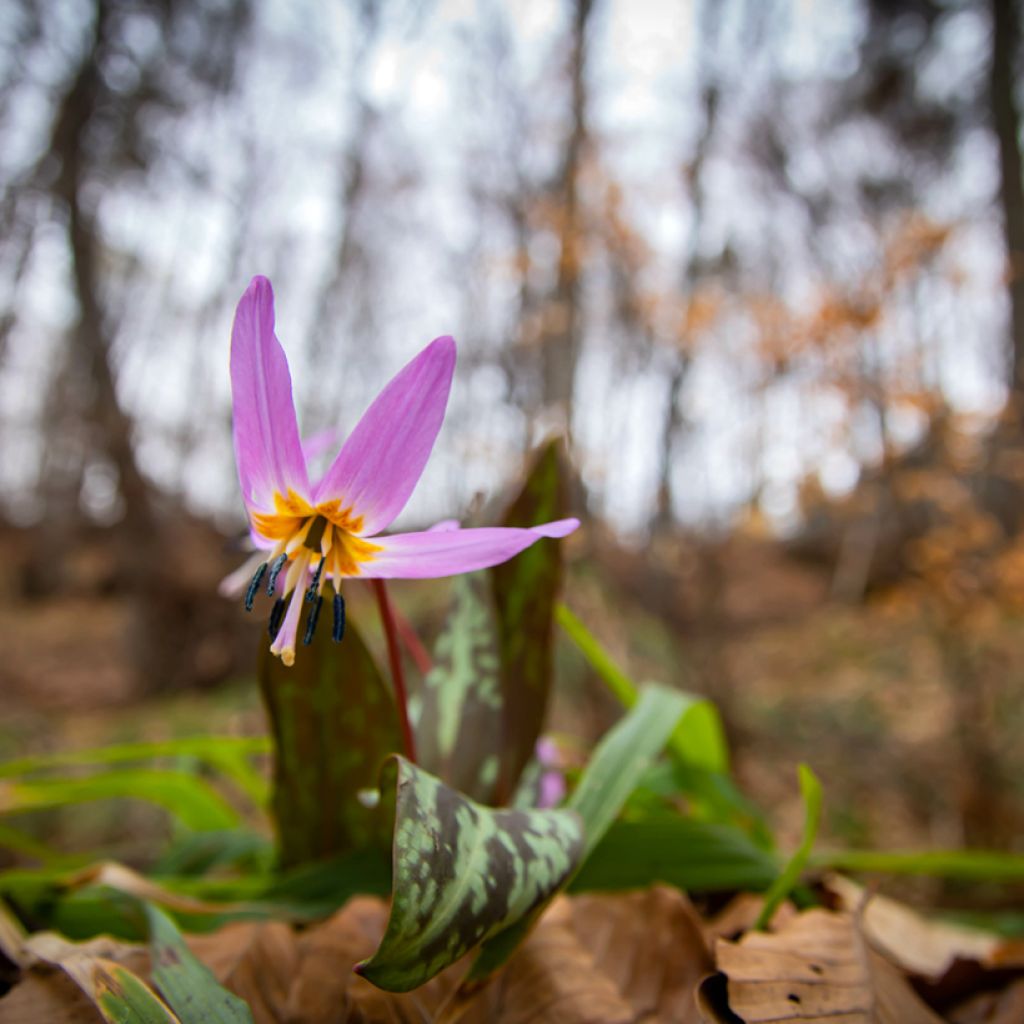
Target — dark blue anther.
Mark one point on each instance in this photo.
(339, 619)
(275, 571)
(254, 585)
(312, 594)
(314, 615)
(276, 615)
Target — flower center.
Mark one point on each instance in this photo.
(314, 544)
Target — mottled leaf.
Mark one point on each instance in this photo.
(615, 767)
(462, 872)
(459, 727)
(525, 592)
(187, 985)
(333, 721)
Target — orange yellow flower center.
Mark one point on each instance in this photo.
(306, 533)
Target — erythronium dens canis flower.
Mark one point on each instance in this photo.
(312, 535)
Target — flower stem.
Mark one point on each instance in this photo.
(387, 618)
(413, 644)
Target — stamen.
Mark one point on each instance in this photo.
(254, 585)
(339, 619)
(315, 533)
(314, 615)
(314, 587)
(275, 571)
(276, 615)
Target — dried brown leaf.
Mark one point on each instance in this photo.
(1003, 1007)
(741, 913)
(599, 959)
(920, 945)
(815, 968)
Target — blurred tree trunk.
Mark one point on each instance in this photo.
(140, 554)
(664, 515)
(1006, 123)
(92, 345)
(563, 323)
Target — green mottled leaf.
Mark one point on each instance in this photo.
(525, 591)
(188, 986)
(617, 764)
(459, 727)
(698, 856)
(333, 721)
(462, 872)
(189, 798)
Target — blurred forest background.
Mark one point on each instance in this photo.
(762, 261)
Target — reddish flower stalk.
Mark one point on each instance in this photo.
(413, 644)
(387, 617)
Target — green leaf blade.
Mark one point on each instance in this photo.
(810, 789)
(193, 801)
(621, 758)
(696, 856)
(189, 987)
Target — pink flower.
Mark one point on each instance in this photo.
(315, 533)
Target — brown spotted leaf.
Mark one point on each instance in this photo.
(333, 721)
(525, 594)
(462, 872)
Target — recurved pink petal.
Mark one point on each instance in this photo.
(267, 447)
(430, 554)
(445, 526)
(380, 463)
(317, 444)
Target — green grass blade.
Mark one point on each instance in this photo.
(191, 800)
(697, 856)
(204, 748)
(188, 985)
(621, 758)
(963, 865)
(810, 789)
(123, 998)
(697, 746)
